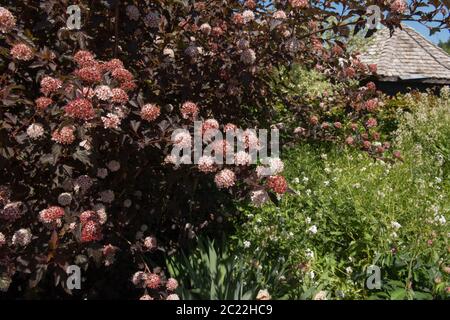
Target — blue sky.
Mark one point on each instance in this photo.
(443, 35)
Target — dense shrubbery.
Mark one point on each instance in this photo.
(350, 212)
(87, 118)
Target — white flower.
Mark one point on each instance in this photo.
(313, 229)
(305, 179)
(395, 225)
(248, 16)
(276, 166)
(35, 131)
(349, 270)
(321, 295)
(394, 235)
(242, 158)
(308, 220)
(312, 275)
(247, 244)
(205, 28)
(440, 218)
(296, 180)
(309, 253)
(103, 92)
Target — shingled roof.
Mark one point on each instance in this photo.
(407, 56)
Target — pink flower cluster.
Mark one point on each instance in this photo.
(225, 179)
(398, 6)
(300, 4)
(277, 183)
(80, 108)
(7, 20)
(90, 226)
(12, 211)
(64, 135)
(150, 112)
(189, 110)
(21, 51)
(50, 85)
(42, 103)
(51, 214)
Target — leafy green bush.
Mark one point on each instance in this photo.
(214, 271)
(350, 211)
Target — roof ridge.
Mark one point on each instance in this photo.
(430, 43)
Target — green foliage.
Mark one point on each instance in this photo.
(445, 45)
(215, 272)
(366, 211)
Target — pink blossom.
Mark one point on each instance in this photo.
(7, 20)
(300, 4)
(90, 74)
(113, 64)
(51, 214)
(171, 284)
(150, 112)
(372, 122)
(182, 139)
(206, 164)
(21, 51)
(42, 103)
(103, 92)
(280, 15)
(150, 243)
(50, 85)
(173, 296)
(91, 231)
(64, 135)
(22, 237)
(277, 184)
(122, 74)
(398, 6)
(84, 58)
(12, 211)
(80, 108)
(119, 96)
(153, 281)
(205, 28)
(111, 121)
(189, 110)
(242, 158)
(225, 179)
